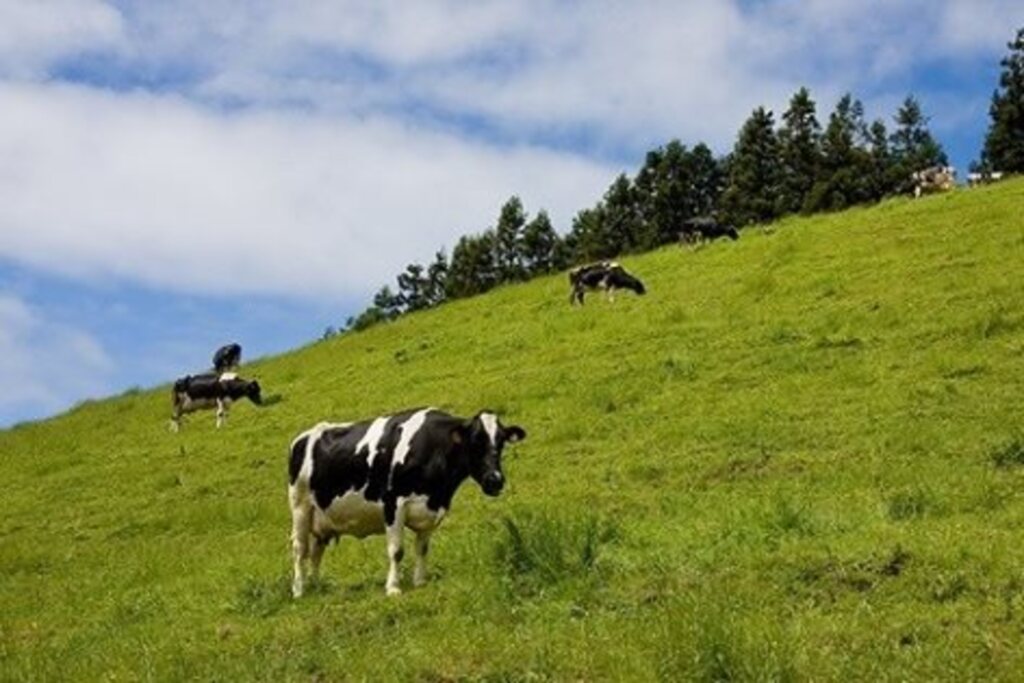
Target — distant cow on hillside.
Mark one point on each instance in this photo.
(382, 475)
(227, 357)
(933, 179)
(606, 275)
(705, 228)
(974, 179)
(210, 390)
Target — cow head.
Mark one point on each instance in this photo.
(485, 437)
(253, 392)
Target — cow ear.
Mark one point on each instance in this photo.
(514, 434)
(459, 434)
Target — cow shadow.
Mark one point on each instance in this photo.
(272, 400)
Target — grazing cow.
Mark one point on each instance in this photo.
(227, 357)
(933, 179)
(975, 179)
(606, 275)
(209, 390)
(705, 228)
(382, 475)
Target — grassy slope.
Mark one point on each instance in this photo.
(778, 464)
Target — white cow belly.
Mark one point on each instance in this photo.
(353, 515)
(189, 405)
(419, 517)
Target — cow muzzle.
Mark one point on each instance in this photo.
(492, 483)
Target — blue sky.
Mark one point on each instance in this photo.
(178, 174)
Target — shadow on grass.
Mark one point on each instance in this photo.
(272, 400)
(262, 597)
(1010, 454)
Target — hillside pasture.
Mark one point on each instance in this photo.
(798, 457)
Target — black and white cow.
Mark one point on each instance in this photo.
(933, 179)
(983, 177)
(210, 390)
(382, 475)
(705, 228)
(227, 357)
(606, 275)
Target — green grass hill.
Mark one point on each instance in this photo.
(799, 457)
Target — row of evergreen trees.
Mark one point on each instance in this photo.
(798, 166)
(1004, 144)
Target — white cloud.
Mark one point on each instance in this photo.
(626, 73)
(158, 190)
(969, 26)
(350, 155)
(44, 365)
(33, 33)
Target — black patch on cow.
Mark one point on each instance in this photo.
(336, 467)
(399, 554)
(297, 456)
(227, 356)
(380, 471)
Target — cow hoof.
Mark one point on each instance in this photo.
(393, 591)
(296, 592)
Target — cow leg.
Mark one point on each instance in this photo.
(419, 576)
(222, 413)
(395, 551)
(176, 415)
(302, 521)
(316, 554)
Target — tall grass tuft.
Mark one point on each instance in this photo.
(1010, 454)
(909, 504)
(539, 549)
(706, 639)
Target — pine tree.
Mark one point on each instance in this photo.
(913, 146)
(754, 172)
(564, 254)
(707, 180)
(883, 181)
(589, 238)
(799, 151)
(622, 220)
(1004, 143)
(368, 318)
(539, 243)
(844, 173)
(472, 270)
(508, 255)
(645, 190)
(437, 277)
(413, 288)
(673, 200)
(388, 303)
(674, 184)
